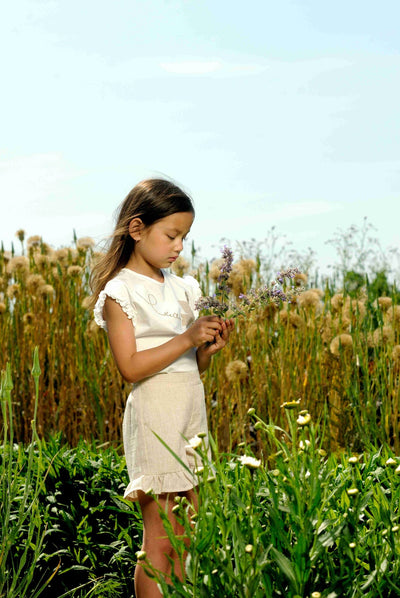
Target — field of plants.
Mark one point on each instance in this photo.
(302, 497)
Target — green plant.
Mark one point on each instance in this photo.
(22, 529)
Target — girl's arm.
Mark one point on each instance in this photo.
(135, 365)
(206, 351)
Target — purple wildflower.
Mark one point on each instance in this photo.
(226, 267)
(212, 303)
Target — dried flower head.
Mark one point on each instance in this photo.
(354, 310)
(46, 291)
(86, 302)
(396, 354)
(236, 371)
(383, 336)
(20, 234)
(253, 331)
(3, 307)
(385, 303)
(309, 300)
(180, 266)
(300, 279)
(236, 281)
(337, 302)
(74, 271)
(92, 329)
(34, 281)
(34, 241)
(28, 318)
(85, 243)
(291, 319)
(342, 342)
(215, 269)
(41, 260)
(62, 254)
(18, 263)
(247, 266)
(13, 291)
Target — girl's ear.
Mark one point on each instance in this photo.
(136, 228)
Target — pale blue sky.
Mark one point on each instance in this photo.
(280, 113)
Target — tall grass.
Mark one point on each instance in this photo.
(337, 352)
(21, 482)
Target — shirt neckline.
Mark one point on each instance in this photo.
(164, 273)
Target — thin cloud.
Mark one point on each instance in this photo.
(192, 67)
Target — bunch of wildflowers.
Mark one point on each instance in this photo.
(223, 301)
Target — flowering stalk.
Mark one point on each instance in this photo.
(222, 300)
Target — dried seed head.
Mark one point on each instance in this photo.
(354, 311)
(74, 271)
(342, 342)
(46, 291)
(215, 269)
(41, 260)
(396, 354)
(300, 279)
(28, 319)
(337, 302)
(247, 266)
(180, 266)
(85, 243)
(291, 319)
(13, 291)
(34, 241)
(18, 263)
(34, 281)
(236, 371)
(385, 303)
(383, 336)
(309, 300)
(20, 234)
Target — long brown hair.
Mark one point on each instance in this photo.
(150, 200)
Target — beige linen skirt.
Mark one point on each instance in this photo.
(172, 406)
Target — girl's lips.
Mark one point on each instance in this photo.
(172, 259)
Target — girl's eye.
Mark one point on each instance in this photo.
(169, 237)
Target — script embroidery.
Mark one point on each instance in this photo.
(187, 316)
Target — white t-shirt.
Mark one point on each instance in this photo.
(158, 310)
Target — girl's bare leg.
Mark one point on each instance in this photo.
(192, 497)
(156, 542)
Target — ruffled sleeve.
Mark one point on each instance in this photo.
(194, 292)
(117, 290)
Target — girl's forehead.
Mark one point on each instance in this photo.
(178, 221)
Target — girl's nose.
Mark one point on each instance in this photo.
(179, 245)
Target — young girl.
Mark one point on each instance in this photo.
(159, 346)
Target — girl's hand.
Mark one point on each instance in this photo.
(204, 330)
(220, 340)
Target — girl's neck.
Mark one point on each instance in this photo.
(144, 268)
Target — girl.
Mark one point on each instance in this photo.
(159, 346)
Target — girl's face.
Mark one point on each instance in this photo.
(158, 245)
